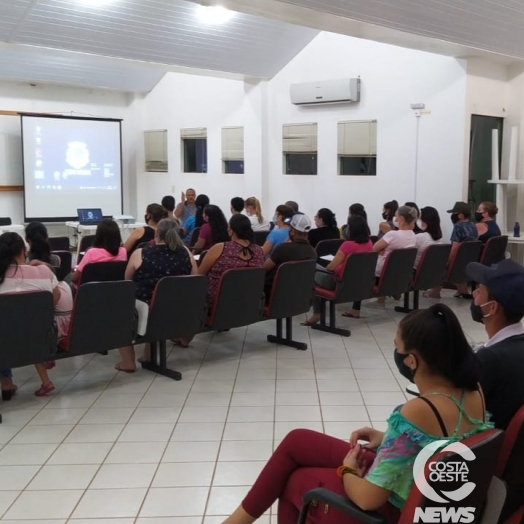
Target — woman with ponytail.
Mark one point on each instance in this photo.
(254, 213)
(432, 351)
(169, 257)
(39, 247)
(326, 229)
(18, 277)
(196, 220)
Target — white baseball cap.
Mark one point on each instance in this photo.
(300, 222)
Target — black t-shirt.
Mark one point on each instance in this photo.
(322, 233)
(289, 252)
(503, 378)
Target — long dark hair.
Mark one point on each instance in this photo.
(429, 215)
(391, 208)
(108, 236)
(358, 209)
(156, 212)
(241, 226)
(328, 217)
(201, 201)
(358, 229)
(11, 246)
(436, 335)
(38, 239)
(218, 224)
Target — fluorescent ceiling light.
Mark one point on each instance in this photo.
(213, 14)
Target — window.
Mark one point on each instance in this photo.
(300, 149)
(357, 148)
(194, 150)
(233, 150)
(156, 150)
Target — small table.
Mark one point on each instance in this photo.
(13, 228)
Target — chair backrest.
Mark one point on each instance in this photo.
(510, 465)
(178, 307)
(5, 221)
(260, 237)
(432, 267)
(494, 250)
(103, 317)
(397, 272)
(103, 272)
(66, 261)
(59, 243)
(27, 332)
(480, 470)
(292, 290)
(328, 247)
(467, 252)
(194, 237)
(358, 278)
(239, 300)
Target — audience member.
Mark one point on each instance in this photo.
(499, 304)
(432, 351)
(107, 247)
(237, 205)
(402, 237)
(294, 206)
(196, 220)
(354, 209)
(327, 278)
(416, 229)
(429, 224)
(214, 229)
(388, 214)
(186, 207)
(39, 246)
(326, 229)
(485, 221)
(167, 258)
(298, 249)
(168, 203)
(281, 232)
(154, 214)
(254, 213)
(17, 277)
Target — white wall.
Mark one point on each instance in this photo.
(392, 79)
(65, 100)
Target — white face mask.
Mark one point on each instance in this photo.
(421, 225)
(395, 223)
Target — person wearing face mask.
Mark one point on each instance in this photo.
(485, 221)
(401, 238)
(388, 214)
(463, 231)
(297, 249)
(417, 229)
(431, 233)
(154, 214)
(281, 232)
(432, 350)
(498, 302)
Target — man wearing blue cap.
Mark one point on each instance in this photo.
(499, 304)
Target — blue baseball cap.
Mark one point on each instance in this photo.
(505, 282)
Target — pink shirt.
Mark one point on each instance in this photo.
(401, 239)
(349, 247)
(99, 254)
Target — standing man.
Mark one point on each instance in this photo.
(186, 208)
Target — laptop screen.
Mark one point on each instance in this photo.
(90, 215)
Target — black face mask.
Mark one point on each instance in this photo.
(385, 216)
(479, 217)
(454, 218)
(403, 368)
(476, 313)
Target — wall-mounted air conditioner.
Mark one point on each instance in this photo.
(327, 92)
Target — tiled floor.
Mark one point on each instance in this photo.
(145, 449)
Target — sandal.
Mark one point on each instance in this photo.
(427, 294)
(45, 389)
(307, 323)
(118, 367)
(347, 314)
(178, 342)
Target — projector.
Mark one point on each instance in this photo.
(125, 219)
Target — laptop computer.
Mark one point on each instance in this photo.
(89, 217)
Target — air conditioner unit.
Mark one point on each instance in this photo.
(327, 92)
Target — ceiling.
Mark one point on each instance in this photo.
(163, 32)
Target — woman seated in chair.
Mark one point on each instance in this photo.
(214, 229)
(39, 246)
(169, 257)
(326, 229)
(18, 277)
(432, 351)
(196, 220)
(154, 214)
(107, 247)
(359, 242)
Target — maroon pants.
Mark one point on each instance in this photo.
(304, 460)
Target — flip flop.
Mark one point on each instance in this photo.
(347, 314)
(307, 323)
(119, 368)
(177, 342)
